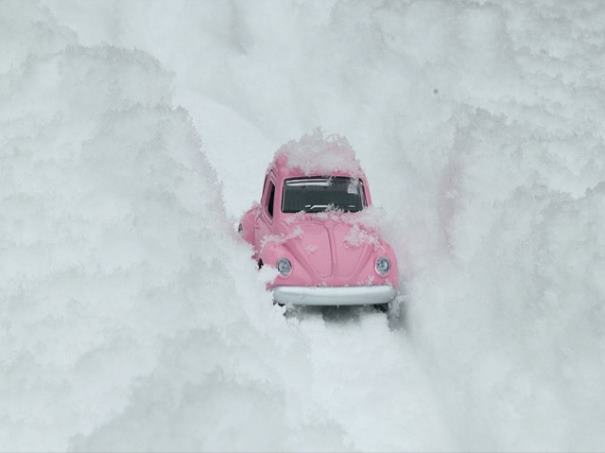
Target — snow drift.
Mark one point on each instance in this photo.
(121, 309)
(479, 127)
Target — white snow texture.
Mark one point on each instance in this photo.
(132, 135)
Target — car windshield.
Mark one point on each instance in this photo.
(321, 194)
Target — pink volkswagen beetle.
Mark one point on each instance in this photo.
(310, 226)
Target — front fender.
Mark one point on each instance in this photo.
(271, 253)
(248, 222)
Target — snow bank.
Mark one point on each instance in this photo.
(132, 318)
(518, 285)
(479, 125)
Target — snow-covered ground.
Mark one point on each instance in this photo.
(134, 133)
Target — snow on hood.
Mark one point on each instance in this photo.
(371, 216)
(281, 238)
(366, 225)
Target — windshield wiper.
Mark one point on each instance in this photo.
(316, 207)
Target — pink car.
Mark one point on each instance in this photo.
(310, 225)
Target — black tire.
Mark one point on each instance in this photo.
(383, 308)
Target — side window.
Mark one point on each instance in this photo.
(271, 199)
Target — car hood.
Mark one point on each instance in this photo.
(329, 248)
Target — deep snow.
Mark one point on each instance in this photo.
(131, 317)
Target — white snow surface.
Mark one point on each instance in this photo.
(132, 135)
(317, 154)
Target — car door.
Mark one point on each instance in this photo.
(264, 225)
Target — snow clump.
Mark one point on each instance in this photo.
(357, 236)
(318, 155)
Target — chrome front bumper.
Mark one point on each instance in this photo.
(332, 295)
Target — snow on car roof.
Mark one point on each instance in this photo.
(318, 154)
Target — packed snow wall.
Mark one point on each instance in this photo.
(480, 127)
(131, 317)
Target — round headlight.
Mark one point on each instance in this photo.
(284, 266)
(383, 265)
